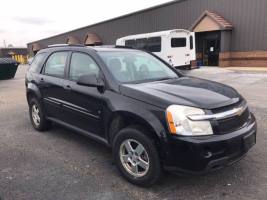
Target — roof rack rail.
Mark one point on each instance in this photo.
(64, 45)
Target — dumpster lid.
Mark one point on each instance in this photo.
(8, 61)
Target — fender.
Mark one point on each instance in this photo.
(141, 111)
(33, 89)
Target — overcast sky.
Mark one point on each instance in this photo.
(23, 21)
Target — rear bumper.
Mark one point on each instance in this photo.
(199, 155)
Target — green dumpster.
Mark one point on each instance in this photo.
(8, 68)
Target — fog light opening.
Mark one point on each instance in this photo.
(207, 153)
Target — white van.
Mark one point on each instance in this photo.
(177, 47)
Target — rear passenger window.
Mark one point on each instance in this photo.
(178, 42)
(82, 64)
(154, 44)
(37, 62)
(55, 64)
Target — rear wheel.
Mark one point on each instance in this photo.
(136, 156)
(37, 117)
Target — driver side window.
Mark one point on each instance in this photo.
(82, 64)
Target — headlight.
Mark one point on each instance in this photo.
(180, 124)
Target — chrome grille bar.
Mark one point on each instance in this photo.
(223, 115)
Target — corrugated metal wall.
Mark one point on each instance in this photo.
(247, 16)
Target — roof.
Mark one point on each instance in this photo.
(95, 48)
(155, 34)
(107, 48)
(222, 22)
(116, 18)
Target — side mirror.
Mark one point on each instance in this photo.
(90, 81)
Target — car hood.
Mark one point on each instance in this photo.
(187, 91)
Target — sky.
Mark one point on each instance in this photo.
(24, 21)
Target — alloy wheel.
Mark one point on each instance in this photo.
(134, 158)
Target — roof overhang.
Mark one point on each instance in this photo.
(72, 40)
(211, 21)
(36, 47)
(92, 39)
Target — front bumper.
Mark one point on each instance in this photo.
(198, 155)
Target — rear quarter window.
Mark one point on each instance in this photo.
(38, 62)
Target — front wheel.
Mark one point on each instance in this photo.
(136, 156)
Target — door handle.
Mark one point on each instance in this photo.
(67, 87)
(42, 80)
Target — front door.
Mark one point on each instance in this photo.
(85, 103)
(211, 50)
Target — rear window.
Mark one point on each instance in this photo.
(178, 42)
(37, 62)
(191, 42)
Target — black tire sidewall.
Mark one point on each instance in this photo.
(154, 171)
(43, 123)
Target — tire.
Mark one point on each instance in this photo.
(43, 124)
(150, 157)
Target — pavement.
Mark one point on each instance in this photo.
(60, 164)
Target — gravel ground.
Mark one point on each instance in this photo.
(60, 164)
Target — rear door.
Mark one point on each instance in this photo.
(192, 46)
(179, 52)
(51, 84)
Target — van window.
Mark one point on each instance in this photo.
(178, 42)
(191, 42)
(141, 43)
(154, 44)
(130, 43)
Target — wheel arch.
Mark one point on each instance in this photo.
(32, 91)
(123, 119)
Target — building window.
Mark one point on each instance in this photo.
(178, 42)
(55, 65)
(154, 44)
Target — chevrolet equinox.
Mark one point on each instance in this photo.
(153, 117)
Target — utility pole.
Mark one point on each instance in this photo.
(5, 43)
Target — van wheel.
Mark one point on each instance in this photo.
(136, 156)
(37, 117)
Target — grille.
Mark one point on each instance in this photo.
(233, 123)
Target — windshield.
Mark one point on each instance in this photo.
(134, 66)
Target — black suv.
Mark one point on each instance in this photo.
(153, 117)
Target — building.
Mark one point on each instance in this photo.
(228, 33)
(17, 53)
